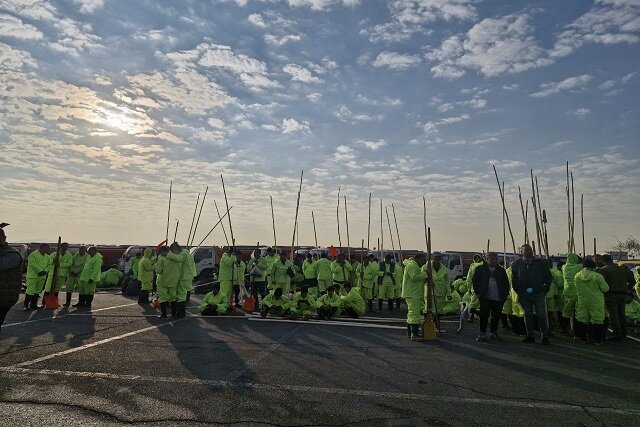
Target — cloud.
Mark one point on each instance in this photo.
(322, 4)
(561, 143)
(506, 164)
(371, 145)
(493, 46)
(314, 97)
(431, 127)
(345, 154)
(385, 102)
(553, 88)
(89, 6)
(346, 115)
(10, 26)
(410, 17)
(292, 126)
(102, 80)
(396, 61)
(280, 40)
(301, 74)
(581, 113)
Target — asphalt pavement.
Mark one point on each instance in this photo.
(119, 364)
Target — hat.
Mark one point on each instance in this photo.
(3, 224)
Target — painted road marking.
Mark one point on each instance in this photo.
(92, 376)
(55, 316)
(97, 343)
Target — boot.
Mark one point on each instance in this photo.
(174, 309)
(80, 300)
(68, 303)
(370, 302)
(398, 303)
(181, 309)
(580, 330)
(27, 300)
(600, 334)
(163, 310)
(504, 321)
(34, 302)
(408, 331)
(390, 304)
(415, 333)
(88, 300)
(380, 305)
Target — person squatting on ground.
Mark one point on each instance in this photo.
(275, 304)
(214, 303)
(491, 284)
(531, 281)
(329, 305)
(303, 305)
(352, 301)
(590, 312)
(10, 276)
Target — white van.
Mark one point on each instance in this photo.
(205, 259)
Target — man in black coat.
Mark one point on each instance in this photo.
(10, 275)
(491, 284)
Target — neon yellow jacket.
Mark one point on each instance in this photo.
(413, 280)
(354, 300)
(219, 300)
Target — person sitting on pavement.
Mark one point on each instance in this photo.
(329, 304)
(303, 304)
(275, 304)
(214, 303)
(352, 302)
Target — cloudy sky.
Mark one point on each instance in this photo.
(103, 102)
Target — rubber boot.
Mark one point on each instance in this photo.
(408, 331)
(390, 304)
(68, 303)
(189, 296)
(380, 305)
(88, 300)
(34, 302)
(181, 308)
(398, 303)
(174, 309)
(415, 333)
(580, 331)
(504, 321)
(370, 305)
(163, 310)
(79, 303)
(27, 300)
(599, 334)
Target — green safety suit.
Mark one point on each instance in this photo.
(386, 280)
(632, 311)
(303, 307)
(558, 279)
(145, 271)
(62, 271)
(276, 306)
(397, 288)
(168, 276)
(352, 274)
(413, 291)
(572, 267)
(111, 277)
(73, 282)
(590, 288)
(262, 265)
(219, 300)
(238, 272)
(134, 266)
(332, 301)
(280, 277)
(367, 277)
(354, 300)
(441, 290)
(324, 275)
(90, 275)
(187, 273)
(340, 273)
(472, 299)
(225, 273)
(38, 265)
(271, 259)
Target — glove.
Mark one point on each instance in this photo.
(529, 290)
(42, 273)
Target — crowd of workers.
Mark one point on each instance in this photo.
(531, 294)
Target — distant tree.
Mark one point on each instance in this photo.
(631, 245)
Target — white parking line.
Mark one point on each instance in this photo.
(97, 343)
(55, 315)
(426, 398)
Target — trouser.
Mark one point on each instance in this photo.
(73, 283)
(493, 308)
(590, 333)
(337, 285)
(167, 294)
(537, 303)
(323, 285)
(275, 310)
(3, 314)
(367, 293)
(414, 310)
(226, 288)
(615, 306)
(236, 294)
(210, 311)
(59, 283)
(35, 285)
(327, 312)
(143, 298)
(349, 311)
(259, 288)
(569, 308)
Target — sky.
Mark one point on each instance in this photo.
(104, 102)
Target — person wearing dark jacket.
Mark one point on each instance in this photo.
(491, 284)
(621, 282)
(10, 275)
(531, 281)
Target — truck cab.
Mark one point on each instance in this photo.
(124, 263)
(205, 260)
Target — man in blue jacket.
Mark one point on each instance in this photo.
(531, 281)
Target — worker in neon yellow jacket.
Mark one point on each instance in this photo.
(324, 275)
(413, 292)
(590, 287)
(303, 305)
(214, 303)
(225, 272)
(62, 269)
(38, 266)
(352, 303)
(275, 304)
(329, 305)
(167, 278)
(73, 281)
(89, 277)
(145, 276)
(367, 276)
